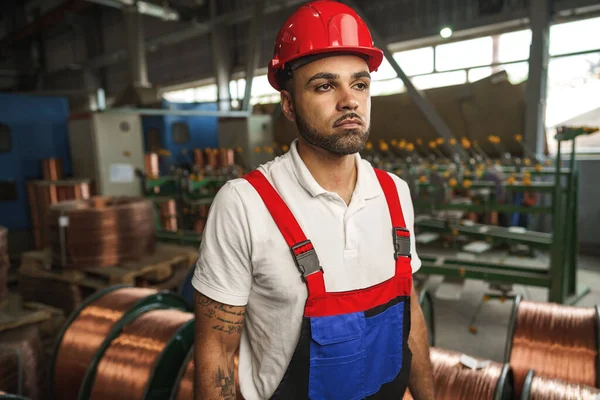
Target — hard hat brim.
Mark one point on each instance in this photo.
(373, 57)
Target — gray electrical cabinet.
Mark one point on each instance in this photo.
(248, 133)
(108, 148)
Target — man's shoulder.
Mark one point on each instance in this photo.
(240, 190)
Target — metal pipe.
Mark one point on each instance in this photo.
(136, 46)
(193, 113)
(537, 82)
(143, 7)
(253, 51)
(195, 30)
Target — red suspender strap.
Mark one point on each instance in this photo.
(302, 249)
(401, 235)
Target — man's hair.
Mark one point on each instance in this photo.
(284, 78)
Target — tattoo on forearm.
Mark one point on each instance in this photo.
(226, 383)
(230, 323)
(204, 301)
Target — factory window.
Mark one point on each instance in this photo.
(415, 62)
(514, 46)
(575, 36)
(5, 139)
(201, 94)
(464, 54)
(439, 80)
(180, 132)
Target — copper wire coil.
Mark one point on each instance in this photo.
(455, 381)
(199, 158)
(556, 341)
(553, 389)
(43, 194)
(127, 364)
(85, 335)
(168, 215)
(23, 366)
(151, 164)
(102, 231)
(52, 169)
(212, 158)
(199, 225)
(226, 158)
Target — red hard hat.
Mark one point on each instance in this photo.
(322, 27)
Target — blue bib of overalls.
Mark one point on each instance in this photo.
(353, 345)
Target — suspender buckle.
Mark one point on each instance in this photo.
(401, 242)
(307, 261)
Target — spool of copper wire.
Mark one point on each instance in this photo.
(199, 225)
(226, 158)
(199, 159)
(168, 215)
(540, 388)
(144, 360)
(89, 330)
(23, 363)
(4, 264)
(101, 231)
(453, 380)
(212, 158)
(52, 169)
(557, 341)
(152, 165)
(43, 194)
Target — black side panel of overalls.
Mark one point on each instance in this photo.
(390, 390)
(294, 385)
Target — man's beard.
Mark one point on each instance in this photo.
(344, 142)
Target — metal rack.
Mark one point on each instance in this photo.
(560, 276)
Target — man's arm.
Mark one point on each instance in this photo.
(218, 330)
(420, 382)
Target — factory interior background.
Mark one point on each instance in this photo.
(121, 119)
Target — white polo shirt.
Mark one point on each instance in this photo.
(244, 259)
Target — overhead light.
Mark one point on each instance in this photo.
(446, 33)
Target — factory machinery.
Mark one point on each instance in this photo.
(476, 217)
(484, 207)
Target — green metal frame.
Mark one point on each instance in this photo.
(561, 275)
(181, 374)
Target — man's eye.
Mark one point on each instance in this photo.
(362, 86)
(324, 87)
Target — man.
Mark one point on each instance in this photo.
(306, 263)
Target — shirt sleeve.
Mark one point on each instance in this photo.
(409, 217)
(224, 268)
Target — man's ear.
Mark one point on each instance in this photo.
(287, 105)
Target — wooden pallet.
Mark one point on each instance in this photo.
(157, 268)
(18, 313)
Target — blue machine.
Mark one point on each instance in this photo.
(31, 129)
(180, 135)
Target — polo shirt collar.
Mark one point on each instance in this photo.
(367, 185)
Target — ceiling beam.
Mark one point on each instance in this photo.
(194, 30)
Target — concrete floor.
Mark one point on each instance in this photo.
(453, 317)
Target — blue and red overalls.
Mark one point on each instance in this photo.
(353, 344)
